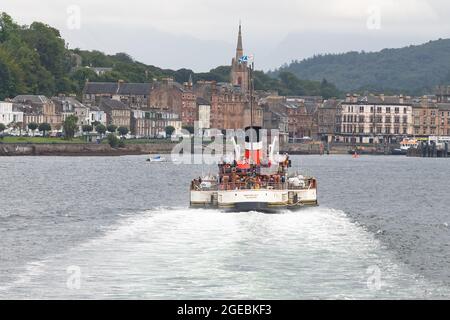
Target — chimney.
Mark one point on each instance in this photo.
(401, 99)
(382, 96)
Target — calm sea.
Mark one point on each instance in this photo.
(120, 228)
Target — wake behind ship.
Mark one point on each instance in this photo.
(258, 182)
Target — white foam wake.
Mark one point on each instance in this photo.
(189, 254)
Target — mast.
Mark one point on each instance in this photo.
(250, 74)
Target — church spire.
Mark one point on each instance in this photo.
(239, 48)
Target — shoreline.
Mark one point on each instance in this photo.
(104, 150)
(79, 150)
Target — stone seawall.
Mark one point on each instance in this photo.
(83, 149)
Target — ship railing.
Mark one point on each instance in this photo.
(252, 186)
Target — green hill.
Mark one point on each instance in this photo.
(34, 59)
(412, 70)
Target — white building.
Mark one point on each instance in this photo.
(375, 119)
(204, 113)
(97, 115)
(9, 114)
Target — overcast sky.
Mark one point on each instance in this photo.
(201, 34)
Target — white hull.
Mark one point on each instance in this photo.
(255, 199)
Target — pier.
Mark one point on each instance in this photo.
(430, 149)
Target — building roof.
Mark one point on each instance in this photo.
(311, 107)
(139, 89)
(101, 88)
(380, 100)
(34, 99)
(202, 101)
(120, 88)
(107, 103)
(331, 104)
(67, 103)
(443, 106)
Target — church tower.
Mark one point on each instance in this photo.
(239, 71)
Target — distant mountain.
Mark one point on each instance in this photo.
(410, 70)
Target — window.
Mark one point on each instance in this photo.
(397, 110)
(361, 109)
(379, 109)
(388, 119)
(388, 109)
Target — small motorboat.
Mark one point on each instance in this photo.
(157, 159)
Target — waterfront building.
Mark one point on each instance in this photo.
(375, 119)
(204, 113)
(189, 110)
(431, 116)
(10, 113)
(39, 109)
(96, 115)
(133, 95)
(117, 113)
(152, 123)
(82, 113)
(172, 97)
(443, 119)
(276, 120)
(328, 120)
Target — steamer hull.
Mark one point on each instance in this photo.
(254, 200)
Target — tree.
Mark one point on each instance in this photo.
(169, 131)
(113, 141)
(2, 127)
(45, 127)
(11, 76)
(87, 128)
(101, 129)
(112, 128)
(33, 126)
(70, 126)
(123, 131)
